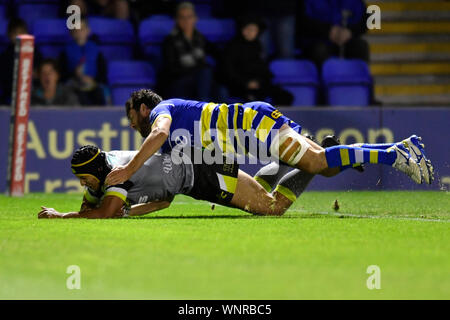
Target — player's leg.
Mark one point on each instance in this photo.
(295, 150)
(417, 152)
(269, 175)
(292, 185)
(250, 196)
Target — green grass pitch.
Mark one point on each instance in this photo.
(191, 252)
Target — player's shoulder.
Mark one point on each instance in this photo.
(172, 102)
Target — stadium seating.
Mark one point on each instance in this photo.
(300, 77)
(347, 82)
(116, 37)
(126, 76)
(30, 12)
(51, 36)
(218, 31)
(151, 35)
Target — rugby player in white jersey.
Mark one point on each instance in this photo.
(161, 178)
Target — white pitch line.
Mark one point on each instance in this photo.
(351, 215)
(337, 214)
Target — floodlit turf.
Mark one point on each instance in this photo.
(191, 252)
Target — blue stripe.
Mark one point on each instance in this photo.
(213, 125)
(351, 155)
(366, 154)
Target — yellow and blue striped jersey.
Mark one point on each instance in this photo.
(202, 124)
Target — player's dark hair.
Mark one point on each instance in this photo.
(145, 96)
(95, 160)
(16, 23)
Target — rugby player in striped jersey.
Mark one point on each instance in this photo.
(238, 128)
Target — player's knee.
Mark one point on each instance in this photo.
(279, 210)
(267, 206)
(274, 206)
(289, 146)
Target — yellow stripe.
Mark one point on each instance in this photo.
(416, 89)
(409, 68)
(86, 162)
(89, 197)
(264, 127)
(231, 183)
(161, 116)
(222, 127)
(235, 125)
(285, 192)
(247, 119)
(205, 120)
(345, 159)
(410, 47)
(417, 27)
(116, 194)
(263, 183)
(80, 175)
(413, 6)
(373, 156)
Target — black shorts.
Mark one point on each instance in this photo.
(214, 182)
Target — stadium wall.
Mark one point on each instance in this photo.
(53, 133)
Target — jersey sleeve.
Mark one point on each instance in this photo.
(119, 190)
(161, 110)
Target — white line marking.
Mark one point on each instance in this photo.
(337, 214)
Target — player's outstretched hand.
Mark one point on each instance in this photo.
(48, 213)
(118, 175)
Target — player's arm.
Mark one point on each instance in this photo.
(155, 140)
(145, 208)
(87, 205)
(157, 137)
(110, 208)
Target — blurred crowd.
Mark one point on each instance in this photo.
(191, 66)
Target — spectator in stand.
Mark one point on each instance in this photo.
(50, 92)
(244, 71)
(334, 28)
(85, 66)
(278, 39)
(185, 72)
(16, 27)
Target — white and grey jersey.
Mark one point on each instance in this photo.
(157, 180)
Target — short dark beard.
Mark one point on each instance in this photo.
(144, 126)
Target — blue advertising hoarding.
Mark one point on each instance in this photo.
(54, 133)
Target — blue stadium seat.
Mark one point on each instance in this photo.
(30, 12)
(116, 37)
(51, 36)
(218, 31)
(125, 77)
(152, 32)
(300, 77)
(347, 82)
